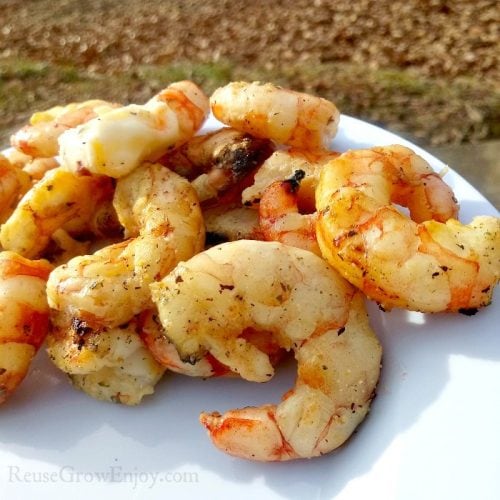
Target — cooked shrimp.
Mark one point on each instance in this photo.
(16, 158)
(63, 247)
(104, 223)
(59, 198)
(97, 219)
(229, 224)
(154, 200)
(108, 364)
(37, 167)
(283, 190)
(205, 304)
(119, 141)
(219, 160)
(282, 165)
(39, 138)
(431, 263)
(166, 354)
(280, 219)
(34, 167)
(13, 184)
(24, 316)
(162, 219)
(271, 112)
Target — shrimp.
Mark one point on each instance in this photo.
(166, 354)
(205, 304)
(13, 184)
(16, 158)
(59, 198)
(37, 167)
(108, 364)
(162, 220)
(219, 160)
(63, 247)
(34, 167)
(39, 138)
(24, 316)
(271, 112)
(280, 219)
(234, 223)
(282, 165)
(429, 262)
(283, 191)
(119, 141)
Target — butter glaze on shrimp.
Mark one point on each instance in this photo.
(24, 317)
(119, 141)
(429, 263)
(206, 302)
(162, 219)
(283, 115)
(39, 139)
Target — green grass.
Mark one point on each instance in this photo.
(208, 75)
(429, 110)
(22, 69)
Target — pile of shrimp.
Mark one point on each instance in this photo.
(133, 245)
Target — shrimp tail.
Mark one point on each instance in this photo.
(250, 433)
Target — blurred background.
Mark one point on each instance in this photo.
(426, 69)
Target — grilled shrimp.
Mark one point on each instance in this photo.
(231, 223)
(60, 198)
(34, 167)
(111, 364)
(63, 247)
(37, 167)
(280, 219)
(429, 262)
(24, 316)
(282, 165)
(166, 354)
(39, 138)
(218, 161)
(13, 184)
(271, 112)
(207, 302)
(16, 158)
(284, 190)
(161, 216)
(119, 141)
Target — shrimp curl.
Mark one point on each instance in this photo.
(429, 262)
(205, 304)
(119, 141)
(271, 112)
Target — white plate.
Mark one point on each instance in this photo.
(433, 431)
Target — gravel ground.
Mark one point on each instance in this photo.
(426, 68)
